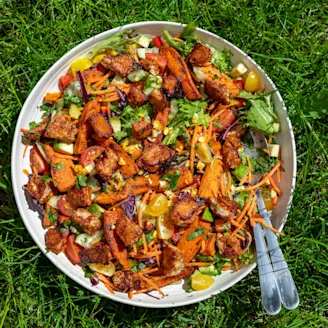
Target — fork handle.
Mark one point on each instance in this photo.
(269, 288)
(286, 284)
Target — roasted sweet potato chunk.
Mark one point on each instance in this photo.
(101, 126)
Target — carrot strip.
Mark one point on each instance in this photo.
(151, 283)
(275, 187)
(24, 130)
(279, 174)
(151, 244)
(73, 158)
(246, 207)
(157, 260)
(240, 237)
(25, 172)
(192, 150)
(35, 171)
(142, 256)
(217, 114)
(261, 221)
(148, 270)
(270, 140)
(134, 246)
(235, 223)
(213, 105)
(236, 264)
(252, 206)
(25, 149)
(267, 151)
(242, 224)
(274, 200)
(143, 237)
(143, 201)
(101, 80)
(226, 268)
(263, 180)
(199, 264)
(209, 133)
(105, 281)
(102, 92)
(243, 180)
(130, 293)
(177, 39)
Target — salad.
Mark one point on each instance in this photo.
(143, 167)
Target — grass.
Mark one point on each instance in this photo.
(288, 39)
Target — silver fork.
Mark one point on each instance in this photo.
(277, 284)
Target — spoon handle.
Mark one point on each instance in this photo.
(269, 288)
(286, 284)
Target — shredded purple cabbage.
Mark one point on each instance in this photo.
(147, 261)
(129, 207)
(123, 100)
(228, 129)
(83, 89)
(94, 281)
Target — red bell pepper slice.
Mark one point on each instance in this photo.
(64, 81)
(157, 41)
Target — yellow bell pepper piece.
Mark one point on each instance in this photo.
(80, 64)
(97, 59)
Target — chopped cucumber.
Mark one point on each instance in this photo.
(87, 241)
(148, 91)
(118, 79)
(238, 70)
(137, 75)
(276, 127)
(209, 270)
(96, 210)
(144, 41)
(116, 124)
(74, 111)
(274, 150)
(153, 81)
(64, 148)
(141, 52)
(53, 201)
(42, 152)
(93, 182)
(91, 168)
(200, 75)
(106, 269)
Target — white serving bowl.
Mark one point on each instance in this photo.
(176, 295)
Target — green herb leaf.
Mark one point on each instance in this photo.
(217, 124)
(81, 181)
(106, 190)
(196, 233)
(172, 179)
(34, 125)
(52, 216)
(87, 272)
(68, 100)
(221, 60)
(46, 178)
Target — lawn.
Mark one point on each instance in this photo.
(288, 39)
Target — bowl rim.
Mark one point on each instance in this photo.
(17, 188)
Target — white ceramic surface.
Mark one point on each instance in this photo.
(176, 296)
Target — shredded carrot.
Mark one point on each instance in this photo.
(240, 237)
(112, 98)
(251, 221)
(105, 281)
(264, 179)
(151, 283)
(144, 241)
(209, 133)
(101, 80)
(222, 188)
(134, 246)
(246, 207)
(235, 223)
(226, 268)
(142, 256)
(267, 151)
(213, 105)
(217, 114)
(148, 270)
(24, 130)
(252, 206)
(151, 244)
(274, 200)
(270, 140)
(242, 224)
(189, 187)
(177, 39)
(118, 203)
(143, 201)
(26, 172)
(25, 149)
(236, 264)
(249, 169)
(35, 171)
(274, 186)
(102, 92)
(198, 264)
(279, 174)
(177, 35)
(192, 150)
(261, 221)
(130, 292)
(243, 180)
(157, 260)
(73, 158)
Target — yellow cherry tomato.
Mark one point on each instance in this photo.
(252, 83)
(158, 206)
(201, 281)
(98, 58)
(164, 228)
(80, 64)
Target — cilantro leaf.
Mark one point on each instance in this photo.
(52, 216)
(221, 59)
(33, 125)
(81, 181)
(68, 100)
(172, 179)
(196, 233)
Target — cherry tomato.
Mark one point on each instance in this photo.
(65, 206)
(157, 41)
(158, 205)
(160, 60)
(38, 161)
(252, 83)
(64, 81)
(225, 119)
(239, 83)
(91, 154)
(72, 250)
